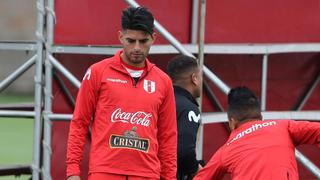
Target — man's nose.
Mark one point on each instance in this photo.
(137, 45)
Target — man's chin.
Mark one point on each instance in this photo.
(137, 60)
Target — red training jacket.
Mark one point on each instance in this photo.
(261, 150)
(134, 129)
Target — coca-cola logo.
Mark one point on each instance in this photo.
(138, 118)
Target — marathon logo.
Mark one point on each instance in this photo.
(251, 129)
(117, 80)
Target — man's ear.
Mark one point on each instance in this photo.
(120, 36)
(154, 37)
(232, 123)
(194, 79)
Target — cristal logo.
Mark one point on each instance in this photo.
(138, 118)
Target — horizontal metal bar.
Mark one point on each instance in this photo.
(193, 48)
(261, 48)
(24, 46)
(106, 50)
(296, 115)
(57, 117)
(12, 113)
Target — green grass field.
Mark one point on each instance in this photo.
(16, 137)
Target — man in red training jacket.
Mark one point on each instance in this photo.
(257, 149)
(129, 104)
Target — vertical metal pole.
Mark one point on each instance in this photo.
(47, 122)
(51, 18)
(47, 151)
(38, 92)
(199, 146)
(264, 82)
(201, 42)
(194, 21)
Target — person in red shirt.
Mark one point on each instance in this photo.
(129, 104)
(258, 149)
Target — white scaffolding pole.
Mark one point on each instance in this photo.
(264, 82)
(307, 96)
(193, 49)
(17, 73)
(199, 145)
(22, 46)
(12, 113)
(65, 72)
(47, 151)
(308, 164)
(38, 91)
(194, 22)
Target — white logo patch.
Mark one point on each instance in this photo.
(135, 118)
(87, 75)
(149, 86)
(253, 128)
(193, 117)
(117, 80)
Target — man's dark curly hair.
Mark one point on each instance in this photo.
(180, 66)
(139, 18)
(243, 104)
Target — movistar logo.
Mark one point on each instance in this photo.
(193, 117)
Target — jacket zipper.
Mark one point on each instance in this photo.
(134, 82)
(140, 78)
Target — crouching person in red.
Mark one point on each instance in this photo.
(258, 149)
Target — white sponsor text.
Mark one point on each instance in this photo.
(138, 118)
(251, 129)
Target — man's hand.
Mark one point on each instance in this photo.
(74, 178)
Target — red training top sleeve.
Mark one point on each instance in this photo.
(304, 132)
(167, 136)
(84, 110)
(214, 169)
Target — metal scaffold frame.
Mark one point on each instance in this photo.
(45, 48)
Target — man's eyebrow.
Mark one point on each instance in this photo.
(145, 39)
(141, 40)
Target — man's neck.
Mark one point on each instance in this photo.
(185, 87)
(127, 62)
(247, 120)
